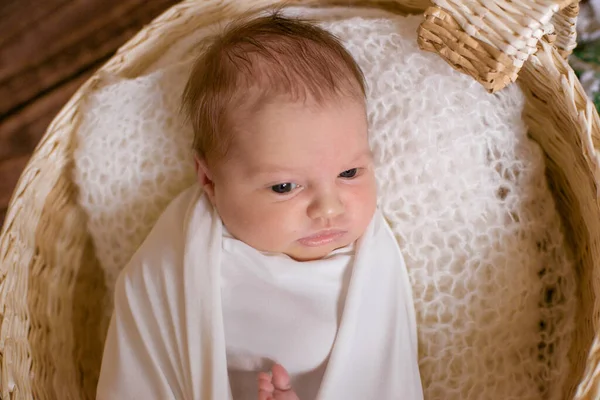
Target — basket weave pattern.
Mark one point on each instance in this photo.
(51, 285)
(499, 35)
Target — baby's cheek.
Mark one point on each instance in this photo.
(238, 216)
(280, 225)
(261, 222)
(363, 206)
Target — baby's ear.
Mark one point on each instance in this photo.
(204, 177)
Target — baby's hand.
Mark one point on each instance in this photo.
(275, 385)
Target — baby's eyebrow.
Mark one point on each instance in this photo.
(367, 154)
(271, 169)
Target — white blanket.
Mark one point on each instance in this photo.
(166, 338)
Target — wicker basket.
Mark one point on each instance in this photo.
(52, 287)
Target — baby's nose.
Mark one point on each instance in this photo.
(326, 205)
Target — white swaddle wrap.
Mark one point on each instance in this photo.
(166, 339)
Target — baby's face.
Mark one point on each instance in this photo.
(299, 179)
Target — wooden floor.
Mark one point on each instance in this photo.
(47, 50)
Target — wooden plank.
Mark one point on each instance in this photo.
(70, 39)
(20, 133)
(20, 16)
(61, 30)
(2, 217)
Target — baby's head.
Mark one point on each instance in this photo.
(278, 110)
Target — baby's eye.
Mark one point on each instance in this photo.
(283, 188)
(349, 174)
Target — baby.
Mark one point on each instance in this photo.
(276, 274)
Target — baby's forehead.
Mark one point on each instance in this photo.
(269, 126)
(289, 157)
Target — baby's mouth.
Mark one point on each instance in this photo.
(322, 238)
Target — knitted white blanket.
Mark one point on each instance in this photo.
(460, 183)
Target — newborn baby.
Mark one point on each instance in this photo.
(276, 276)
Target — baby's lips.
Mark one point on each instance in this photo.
(322, 238)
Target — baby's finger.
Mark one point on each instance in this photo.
(266, 386)
(281, 378)
(263, 376)
(285, 395)
(262, 395)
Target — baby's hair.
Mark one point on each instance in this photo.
(255, 60)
